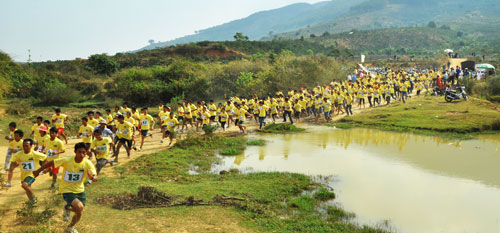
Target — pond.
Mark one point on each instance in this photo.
(415, 183)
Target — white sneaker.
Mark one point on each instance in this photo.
(66, 215)
(162, 141)
(4, 172)
(71, 229)
(8, 185)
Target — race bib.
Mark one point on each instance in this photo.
(85, 134)
(202, 116)
(125, 131)
(241, 117)
(145, 122)
(40, 148)
(171, 124)
(59, 121)
(28, 166)
(73, 177)
(163, 118)
(102, 149)
(51, 154)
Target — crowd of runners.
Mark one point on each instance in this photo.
(103, 135)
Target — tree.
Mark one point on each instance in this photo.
(460, 34)
(312, 36)
(432, 24)
(151, 41)
(326, 33)
(240, 37)
(102, 64)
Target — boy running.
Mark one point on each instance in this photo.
(170, 123)
(85, 132)
(29, 161)
(59, 119)
(100, 147)
(13, 146)
(76, 170)
(147, 123)
(124, 134)
(53, 149)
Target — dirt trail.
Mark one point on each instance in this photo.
(11, 199)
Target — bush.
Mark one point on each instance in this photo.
(19, 107)
(27, 213)
(209, 129)
(324, 194)
(281, 128)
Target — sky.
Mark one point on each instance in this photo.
(69, 29)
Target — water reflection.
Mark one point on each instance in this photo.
(419, 183)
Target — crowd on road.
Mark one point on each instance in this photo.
(104, 135)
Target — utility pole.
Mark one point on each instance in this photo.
(29, 56)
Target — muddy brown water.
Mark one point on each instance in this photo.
(412, 182)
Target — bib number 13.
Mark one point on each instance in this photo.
(73, 177)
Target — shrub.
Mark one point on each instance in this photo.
(324, 194)
(19, 107)
(27, 213)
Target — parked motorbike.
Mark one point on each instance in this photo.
(451, 95)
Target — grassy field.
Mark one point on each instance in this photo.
(271, 202)
(432, 116)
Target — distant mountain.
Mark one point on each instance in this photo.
(377, 14)
(270, 22)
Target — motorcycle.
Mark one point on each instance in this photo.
(451, 95)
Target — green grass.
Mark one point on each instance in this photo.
(431, 116)
(258, 142)
(274, 202)
(324, 194)
(281, 128)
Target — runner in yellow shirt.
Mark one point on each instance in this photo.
(76, 170)
(42, 139)
(262, 111)
(170, 123)
(29, 161)
(53, 149)
(213, 111)
(85, 132)
(59, 119)
(35, 133)
(125, 133)
(12, 146)
(241, 116)
(147, 123)
(92, 121)
(162, 116)
(100, 147)
(223, 118)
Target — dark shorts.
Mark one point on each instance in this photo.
(123, 141)
(30, 180)
(144, 133)
(297, 114)
(212, 118)
(101, 163)
(164, 127)
(180, 118)
(70, 197)
(168, 132)
(240, 122)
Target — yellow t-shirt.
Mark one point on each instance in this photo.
(28, 162)
(12, 143)
(102, 147)
(262, 110)
(42, 141)
(86, 132)
(109, 119)
(205, 117)
(36, 131)
(94, 122)
(223, 116)
(74, 174)
(53, 146)
(212, 109)
(171, 123)
(124, 130)
(146, 121)
(163, 116)
(240, 113)
(59, 120)
(123, 111)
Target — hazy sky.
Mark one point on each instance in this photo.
(66, 29)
